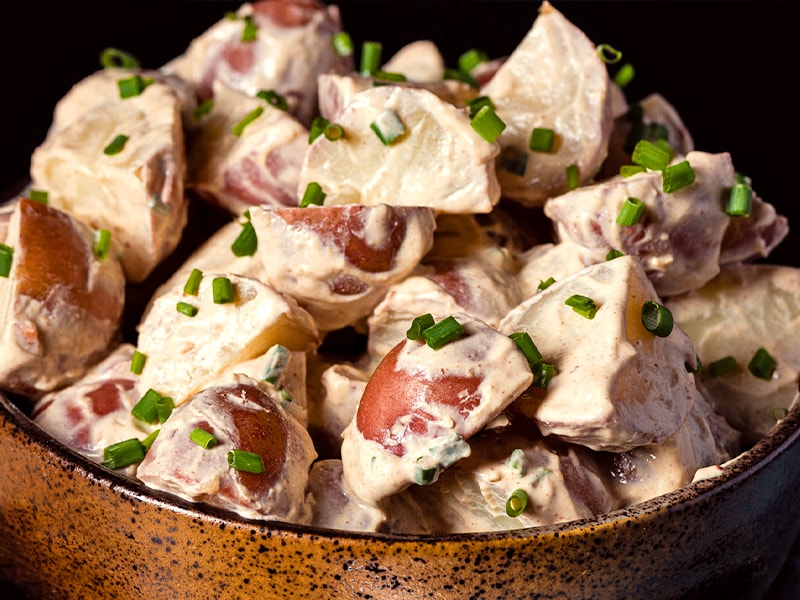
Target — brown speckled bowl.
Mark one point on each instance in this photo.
(73, 529)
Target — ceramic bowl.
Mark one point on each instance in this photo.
(72, 529)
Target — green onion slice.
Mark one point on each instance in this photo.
(584, 306)
(313, 195)
(613, 253)
(608, 54)
(625, 75)
(542, 374)
(740, 200)
(222, 290)
(138, 361)
(573, 177)
(102, 243)
(278, 359)
(193, 282)
(723, 366)
(657, 318)
(238, 129)
(388, 127)
(242, 460)
(148, 441)
(343, 43)
(762, 365)
(389, 76)
(274, 98)
(471, 59)
(542, 139)
(164, 407)
(114, 58)
(246, 243)
(487, 124)
(203, 108)
(203, 438)
(38, 196)
(333, 132)
(317, 128)
(516, 503)
(186, 309)
(425, 475)
(525, 344)
(442, 333)
(649, 155)
(459, 75)
(116, 146)
(419, 325)
(250, 30)
(677, 177)
(132, 86)
(477, 103)
(124, 453)
(145, 409)
(543, 285)
(6, 257)
(370, 58)
(631, 170)
(518, 461)
(631, 212)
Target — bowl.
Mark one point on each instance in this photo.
(73, 529)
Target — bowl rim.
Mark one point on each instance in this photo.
(750, 461)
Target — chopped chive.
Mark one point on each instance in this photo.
(613, 253)
(116, 146)
(273, 98)
(390, 76)
(222, 290)
(516, 503)
(740, 201)
(625, 75)
(518, 461)
(542, 139)
(343, 43)
(586, 307)
(114, 58)
(193, 282)
(471, 59)
(443, 332)
(145, 409)
(723, 366)
(543, 285)
(102, 243)
(6, 256)
(459, 75)
(487, 124)
(631, 212)
(608, 54)
(742, 178)
(246, 243)
(317, 128)
(203, 438)
(477, 103)
(203, 108)
(278, 359)
(631, 170)
(238, 129)
(542, 374)
(677, 176)
(370, 58)
(148, 441)
(513, 160)
(419, 325)
(312, 195)
(573, 177)
(425, 475)
(132, 86)
(138, 361)
(388, 127)
(647, 154)
(660, 139)
(164, 407)
(38, 196)
(186, 309)
(250, 30)
(285, 395)
(762, 365)
(333, 132)
(242, 460)
(657, 318)
(122, 454)
(525, 344)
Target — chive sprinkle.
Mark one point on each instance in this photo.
(114, 58)
(584, 306)
(740, 200)
(525, 344)
(238, 129)
(762, 365)
(487, 124)
(278, 359)
(543, 285)
(459, 75)
(313, 195)
(477, 103)
(471, 59)
(145, 409)
(193, 282)
(542, 374)
(425, 475)
(148, 441)
(370, 58)
(631, 170)
(442, 333)
(516, 503)
(222, 290)
(242, 460)
(419, 325)
(573, 177)
(613, 253)
(132, 86)
(317, 128)
(723, 366)
(203, 438)
(246, 243)
(274, 98)
(250, 30)
(657, 318)
(389, 76)
(631, 212)
(186, 309)
(116, 146)
(203, 108)
(102, 243)
(333, 132)
(6, 257)
(608, 54)
(388, 127)
(649, 155)
(138, 361)
(123, 454)
(542, 139)
(38, 196)
(677, 176)
(343, 43)
(624, 75)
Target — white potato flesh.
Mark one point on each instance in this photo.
(554, 79)
(440, 162)
(616, 385)
(417, 61)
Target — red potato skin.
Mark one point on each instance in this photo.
(391, 394)
(288, 13)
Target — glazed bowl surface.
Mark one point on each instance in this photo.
(73, 529)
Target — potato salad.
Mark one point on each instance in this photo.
(387, 294)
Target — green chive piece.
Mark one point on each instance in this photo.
(164, 407)
(459, 75)
(102, 243)
(742, 178)
(333, 132)
(613, 253)
(487, 124)
(694, 370)
(132, 86)
(145, 409)
(625, 75)
(657, 318)
(542, 374)
(203, 108)
(425, 475)
(647, 154)
(477, 103)
(471, 59)
(608, 54)
(313, 195)
(203, 438)
(343, 43)
(542, 139)
(723, 366)
(273, 98)
(278, 359)
(148, 441)
(516, 503)
(317, 128)
(246, 243)
(390, 76)
(525, 344)
(631, 170)
(517, 461)
(6, 256)
(513, 160)
(285, 395)
(419, 325)
(222, 290)
(122, 454)
(242, 460)
(677, 177)
(238, 129)
(138, 361)
(586, 307)
(740, 201)
(388, 127)
(250, 30)
(660, 139)
(186, 309)
(573, 177)
(543, 285)
(193, 282)
(442, 333)
(116, 146)
(762, 365)
(38, 196)
(114, 58)
(370, 58)
(631, 212)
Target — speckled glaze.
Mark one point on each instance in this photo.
(72, 529)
